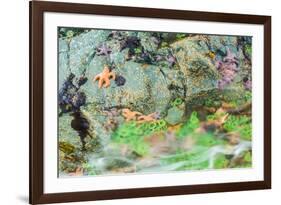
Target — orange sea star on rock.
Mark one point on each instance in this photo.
(105, 77)
(130, 115)
(147, 118)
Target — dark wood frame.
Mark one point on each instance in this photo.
(37, 9)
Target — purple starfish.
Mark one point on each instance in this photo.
(171, 60)
(130, 42)
(158, 58)
(103, 50)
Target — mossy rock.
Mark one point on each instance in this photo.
(175, 116)
(198, 71)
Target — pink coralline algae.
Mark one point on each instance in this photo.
(228, 68)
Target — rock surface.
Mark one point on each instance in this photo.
(174, 115)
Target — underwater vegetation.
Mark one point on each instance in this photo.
(138, 102)
(133, 134)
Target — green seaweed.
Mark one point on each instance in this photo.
(221, 162)
(133, 134)
(241, 124)
(189, 126)
(176, 102)
(246, 132)
(215, 116)
(208, 140)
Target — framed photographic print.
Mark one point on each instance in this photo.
(138, 102)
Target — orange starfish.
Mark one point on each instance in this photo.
(105, 77)
(130, 115)
(146, 118)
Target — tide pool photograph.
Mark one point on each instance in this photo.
(133, 102)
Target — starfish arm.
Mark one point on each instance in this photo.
(141, 118)
(145, 118)
(106, 70)
(152, 115)
(106, 82)
(129, 117)
(97, 77)
(112, 75)
(101, 81)
(137, 113)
